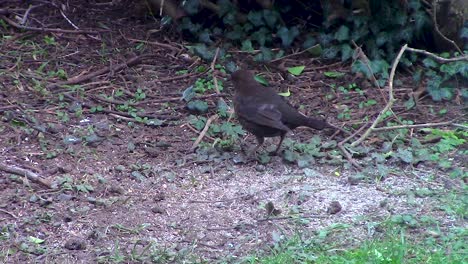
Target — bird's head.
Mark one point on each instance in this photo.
(242, 78)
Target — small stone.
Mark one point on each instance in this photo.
(65, 197)
(260, 168)
(158, 210)
(334, 207)
(75, 244)
(115, 189)
(355, 179)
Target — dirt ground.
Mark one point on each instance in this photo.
(128, 189)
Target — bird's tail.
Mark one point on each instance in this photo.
(316, 123)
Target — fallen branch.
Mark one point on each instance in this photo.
(414, 126)
(205, 129)
(438, 58)
(28, 174)
(57, 30)
(391, 99)
(348, 155)
(82, 78)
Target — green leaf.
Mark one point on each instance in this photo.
(410, 103)
(296, 70)
(188, 93)
(346, 52)
(203, 52)
(334, 74)
(256, 18)
(405, 155)
(35, 240)
(271, 17)
(342, 34)
(265, 55)
(315, 51)
(222, 108)
(198, 106)
(260, 36)
(287, 35)
(261, 80)
(286, 94)
(429, 63)
(247, 45)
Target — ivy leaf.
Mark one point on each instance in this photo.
(429, 63)
(334, 74)
(330, 53)
(35, 240)
(342, 34)
(198, 106)
(203, 52)
(191, 6)
(265, 55)
(287, 35)
(247, 45)
(410, 103)
(405, 155)
(260, 36)
(270, 17)
(346, 52)
(296, 70)
(261, 80)
(222, 108)
(205, 37)
(285, 94)
(188, 93)
(256, 18)
(315, 51)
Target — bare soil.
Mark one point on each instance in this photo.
(150, 193)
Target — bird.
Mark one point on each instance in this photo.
(263, 112)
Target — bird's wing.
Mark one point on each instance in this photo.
(263, 114)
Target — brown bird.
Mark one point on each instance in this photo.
(264, 113)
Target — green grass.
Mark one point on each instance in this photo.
(396, 247)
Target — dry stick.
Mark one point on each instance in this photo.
(8, 213)
(390, 102)
(26, 173)
(436, 26)
(82, 78)
(205, 129)
(439, 59)
(348, 155)
(414, 126)
(291, 55)
(57, 30)
(365, 59)
(155, 43)
(215, 80)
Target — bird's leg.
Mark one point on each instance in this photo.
(279, 144)
(259, 144)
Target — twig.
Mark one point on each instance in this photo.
(205, 129)
(193, 74)
(438, 58)
(8, 213)
(155, 43)
(390, 102)
(414, 126)
(28, 174)
(366, 61)
(57, 30)
(348, 155)
(215, 80)
(82, 78)
(290, 55)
